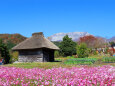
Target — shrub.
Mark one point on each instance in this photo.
(56, 54)
(14, 56)
(106, 50)
(111, 52)
(82, 50)
(95, 52)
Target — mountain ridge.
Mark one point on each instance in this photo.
(13, 38)
(17, 38)
(112, 39)
(74, 35)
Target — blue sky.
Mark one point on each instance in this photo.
(96, 17)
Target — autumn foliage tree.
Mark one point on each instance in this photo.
(92, 41)
(100, 42)
(88, 40)
(12, 39)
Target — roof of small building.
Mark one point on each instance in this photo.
(35, 42)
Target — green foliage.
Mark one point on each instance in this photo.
(10, 45)
(67, 46)
(82, 50)
(106, 50)
(81, 61)
(4, 52)
(95, 52)
(56, 54)
(14, 56)
(109, 59)
(57, 43)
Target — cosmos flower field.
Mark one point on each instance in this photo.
(75, 76)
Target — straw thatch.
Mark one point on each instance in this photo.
(35, 42)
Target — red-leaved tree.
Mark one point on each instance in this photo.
(92, 41)
(89, 40)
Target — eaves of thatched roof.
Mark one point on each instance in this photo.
(35, 42)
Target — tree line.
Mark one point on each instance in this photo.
(83, 47)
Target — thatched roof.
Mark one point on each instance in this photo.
(35, 42)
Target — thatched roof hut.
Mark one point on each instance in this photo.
(36, 41)
(36, 49)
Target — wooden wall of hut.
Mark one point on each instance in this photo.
(30, 55)
(48, 55)
(37, 55)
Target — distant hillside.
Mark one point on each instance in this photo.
(112, 39)
(74, 35)
(12, 39)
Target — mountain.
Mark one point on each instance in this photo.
(74, 35)
(12, 39)
(112, 39)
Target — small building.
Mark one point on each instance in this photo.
(36, 49)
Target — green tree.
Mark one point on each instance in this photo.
(67, 46)
(82, 50)
(57, 43)
(10, 45)
(4, 52)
